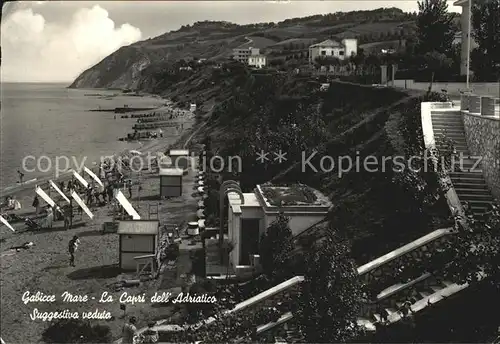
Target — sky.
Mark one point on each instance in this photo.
(54, 41)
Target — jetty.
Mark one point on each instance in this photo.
(154, 125)
(155, 119)
(124, 109)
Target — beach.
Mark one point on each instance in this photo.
(40, 122)
(45, 267)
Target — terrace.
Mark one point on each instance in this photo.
(250, 214)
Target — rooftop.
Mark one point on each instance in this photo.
(138, 227)
(170, 171)
(250, 199)
(179, 152)
(296, 195)
(326, 44)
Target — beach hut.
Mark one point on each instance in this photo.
(138, 238)
(170, 182)
(193, 228)
(179, 158)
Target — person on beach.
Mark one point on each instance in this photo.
(68, 217)
(49, 219)
(70, 186)
(21, 176)
(129, 331)
(94, 196)
(109, 190)
(36, 204)
(150, 335)
(72, 247)
(61, 185)
(129, 187)
(89, 195)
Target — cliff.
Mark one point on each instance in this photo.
(130, 67)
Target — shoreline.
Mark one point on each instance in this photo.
(96, 268)
(12, 189)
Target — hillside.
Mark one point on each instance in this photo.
(245, 111)
(129, 67)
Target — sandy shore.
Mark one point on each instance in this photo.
(45, 267)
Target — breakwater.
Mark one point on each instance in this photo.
(124, 109)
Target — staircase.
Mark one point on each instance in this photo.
(394, 302)
(418, 294)
(466, 174)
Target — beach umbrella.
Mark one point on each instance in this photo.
(55, 187)
(82, 204)
(45, 197)
(91, 174)
(127, 206)
(80, 179)
(6, 223)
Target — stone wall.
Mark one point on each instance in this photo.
(483, 139)
(453, 88)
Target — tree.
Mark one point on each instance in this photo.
(373, 62)
(434, 27)
(485, 59)
(276, 246)
(474, 248)
(434, 61)
(329, 302)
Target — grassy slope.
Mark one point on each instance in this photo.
(368, 207)
(215, 40)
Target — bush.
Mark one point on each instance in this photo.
(423, 75)
(172, 252)
(76, 331)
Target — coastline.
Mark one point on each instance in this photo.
(12, 189)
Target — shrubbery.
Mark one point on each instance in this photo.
(76, 331)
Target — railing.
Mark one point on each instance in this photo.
(481, 105)
(430, 144)
(443, 105)
(247, 303)
(421, 242)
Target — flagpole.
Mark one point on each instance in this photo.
(468, 43)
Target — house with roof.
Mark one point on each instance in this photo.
(332, 48)
(252, 48)
(250, 214)
(257, 60)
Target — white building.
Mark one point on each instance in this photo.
(242, 54)
(250, 56)
(257, 61)
(465, 22)
(137, 238)
(330, 48)
(248, 220)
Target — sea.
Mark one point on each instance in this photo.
(44, 123)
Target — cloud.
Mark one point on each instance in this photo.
(36, 50)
